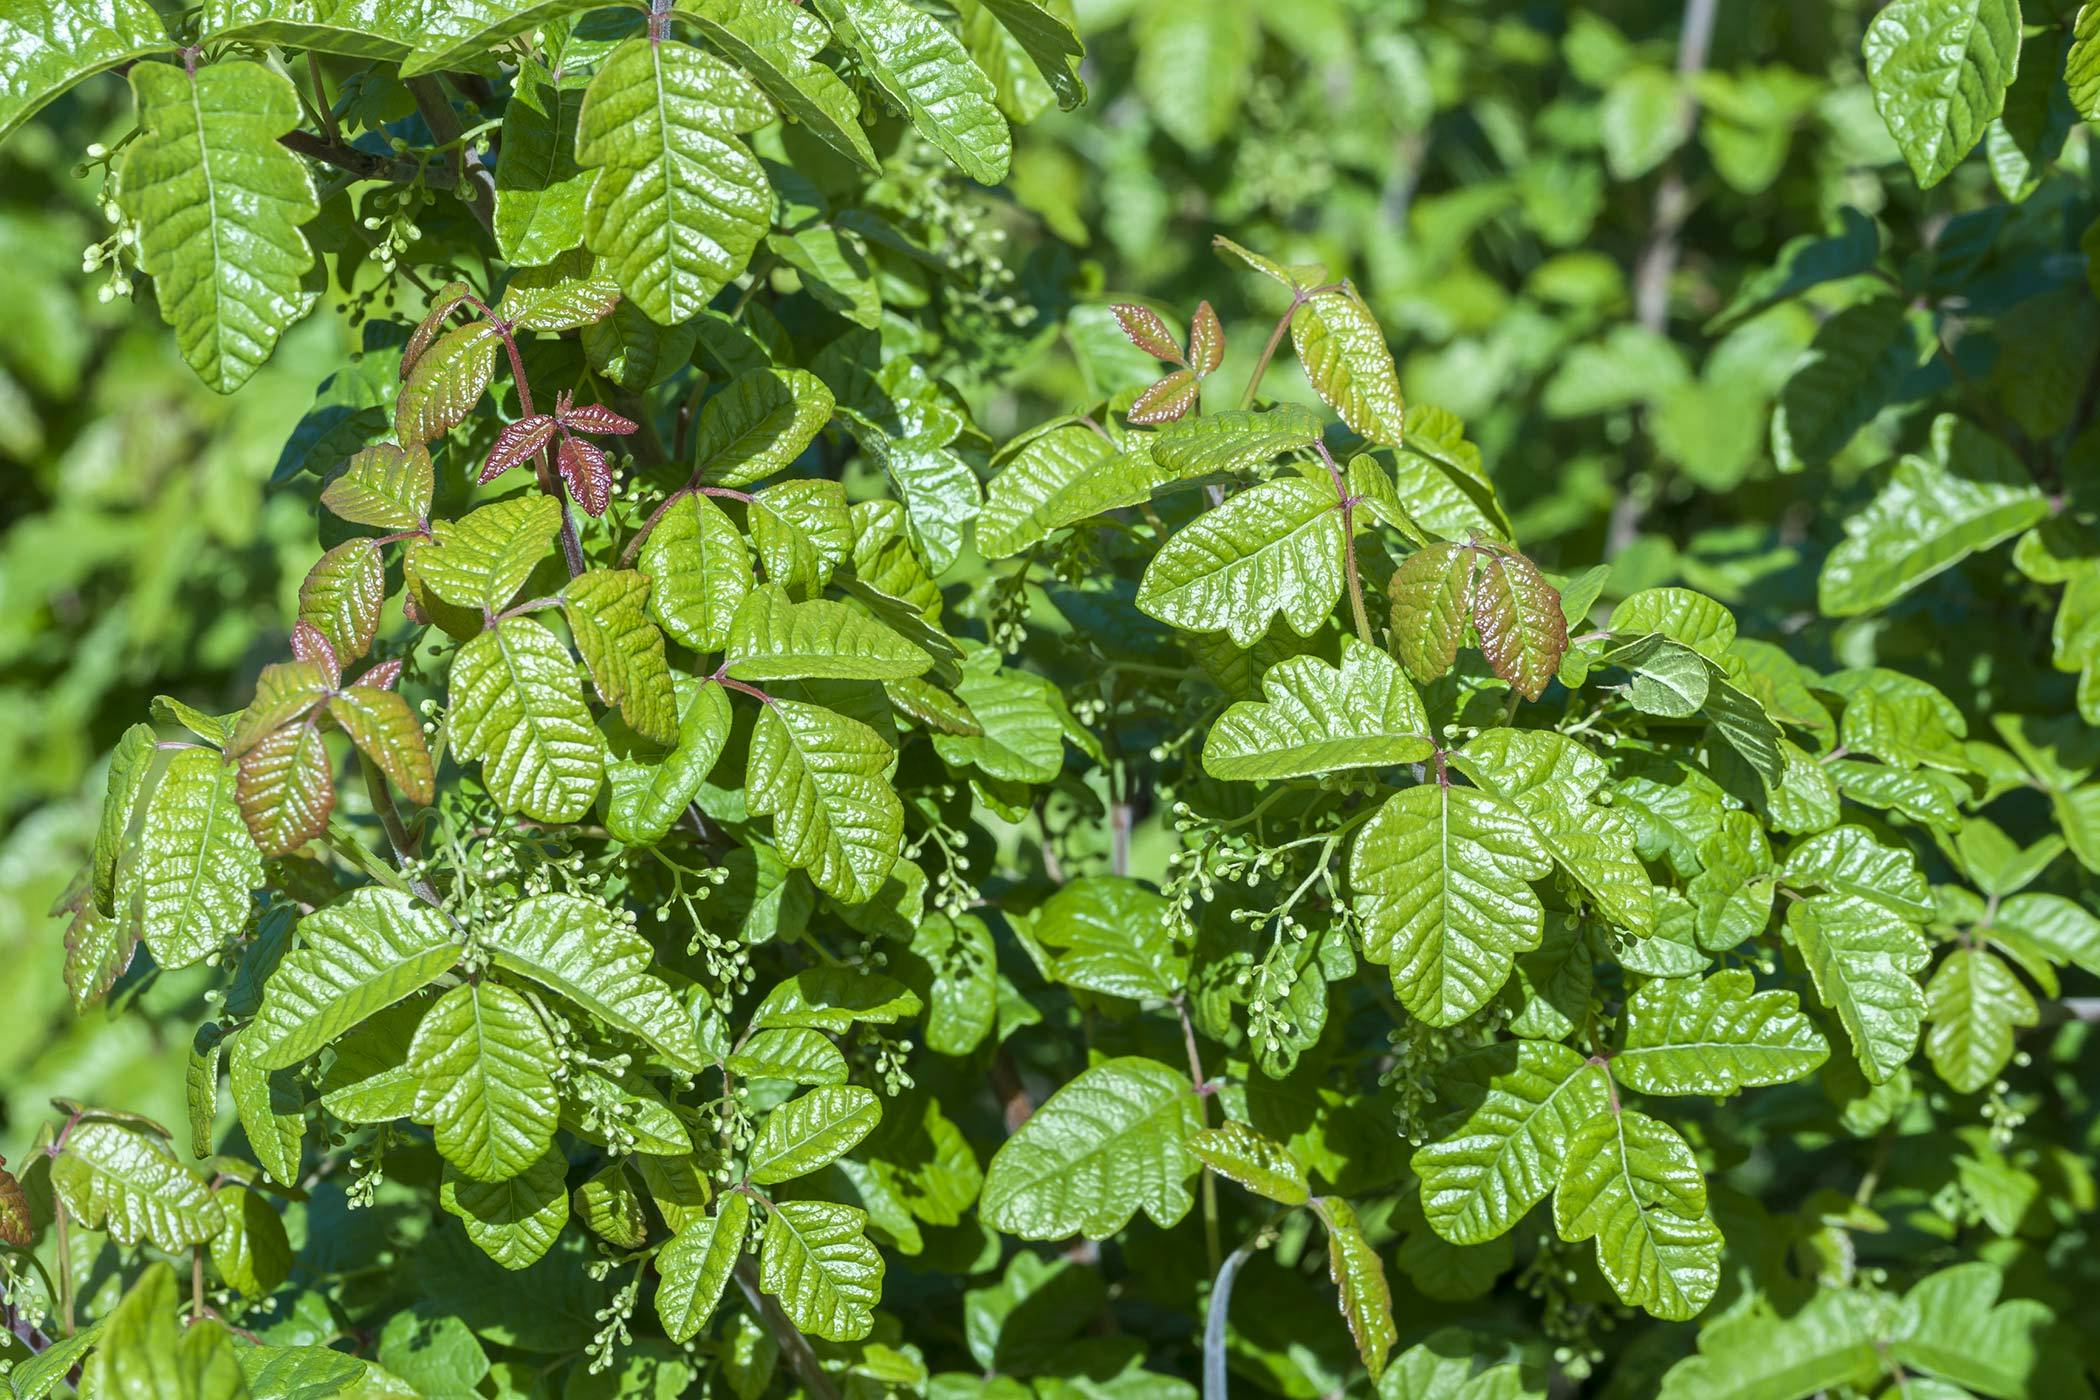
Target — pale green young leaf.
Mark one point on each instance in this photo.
(1442, 882)
(775, 42)
(1939, 70)
(1552, 780)
(126, 1180)
(585, 952)
(218, 204)
(193, 864)
(1497, 1148)
(1236, 440)
(1974, 1002)
(355, 957)
(446, 384)
(1359, 1277)
(564, 294)
(381, 724)
(927, 71)
(806, 1133)
(1319, 719)
(514, 1221)
(272, 1111)
(482, 1060)
(1347, 362)
(1971, 494)
(1864, 960)
(518, 707)
(799, 1054)
(1432, 594)
(483, 559)
(1851, 861)
(758, 425)
(622, 649)
(699, 570)
(1254, 1160)
(384, 486)
(1273, 548)
(816, 1258)
(679, 202)
(646, 795)
(1632, 1183)
(773, 638)
(1109, 934)
(694, 1267)
(342, 595)
(1685, 1036)
(822, 777)
(1112, 1141)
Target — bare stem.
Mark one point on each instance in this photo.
(1210, 1180)
(397, 833)
(1268, 352)
(793, 1345)
(65, 1271)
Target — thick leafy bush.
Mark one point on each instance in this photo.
(838, 809)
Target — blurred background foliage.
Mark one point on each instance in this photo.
(1565, 218)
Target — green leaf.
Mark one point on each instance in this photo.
(1971, 494)
(798, 1054)
(381, 723)
(962, 1002)
(1974, 1001)
(272, 1111)
(36, 1376)
(1850, 861)
(1864, 961)
(446, 384)
(1318, 719)
(806, 1133)
(1023, 501)
(1940, 70)
(1684, 1036)
(369, 1080)
(927, 71)
(774, 638)
(822, 777)
(53, 45)
(1633, 1185)
(540, 189)
(482, 561)
(130, 765)
(342, 596)
(646, 796)
(1273, 548)
(1195, 64)
(1680, 614)
(1952, 1325)
(564, 294)
(1346, 361)
(460, 32)
(1234, 441)
(146, 1355)
(1497, 1149)
(1112, 1141)
(1359, 1275)
(1441, 877)
(1552, 781)
(775, 41)
(190, 871)
(1856, 366)
(126, 1180)
(623, 649)
(679, 202)
(518, 707)
(835, 999)
(585, 952)
(1110, 935)
(1050, 42)
(1022, 725)
(695, 1267)
(218, 204)
(482, 1061)
(251, 1252)
(1432, 593)
(355, 957)
(2065, 930)
(1517, 614)
(384, 486)
(1806, 261)
(1833, 1341)
(1254, 1160)
(815, 1258)
(758, 425)
(514, 1221)
(803, 532)
(699, 570)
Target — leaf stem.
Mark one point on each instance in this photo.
(1210, 1180)
(397, 833)
(1356, 584)
(65, 1269)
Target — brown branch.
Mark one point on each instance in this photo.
(363, 164)
(793, 1345)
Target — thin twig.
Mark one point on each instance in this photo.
(793, 1345)
(1210, 1180)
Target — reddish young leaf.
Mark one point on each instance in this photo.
(309, 645)
(1522, 633)
(517, 443)
(284, 692)
(591, 418)
(1147, 332)
(383, 675)
(99, 949)
(583, 466)
(448, 297)
(1167, 400)
(286, 788)
(1206, 341)
(380, 723)
(16, 1226)
(1432, 593)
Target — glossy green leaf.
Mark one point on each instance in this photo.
(482, 560)
(926, 70)
(514, 1221)
(1632, 1183)
(51, 46)
(1273, 548)
(1864, 961)
(126, 1180)
(518, 708)
(384, 486)
(822, 777)
(1940, 70)
(1254, 1160)
(815, 1257)
(806, 1133)
(646, 795)
(1497, 1148)
(622, 649)
(699, 570)
(1432, 593)
(775, 43)
(585, 952)
(1344, 353)
(446, 384)
(482, 1060)
(145, 1354)
(1974, 1002)
(774, 638)
(1318, 719)
(193, 864)
(1685, 1036)
(695, 1267)
(354, 958)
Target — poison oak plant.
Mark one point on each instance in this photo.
(740, 879)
